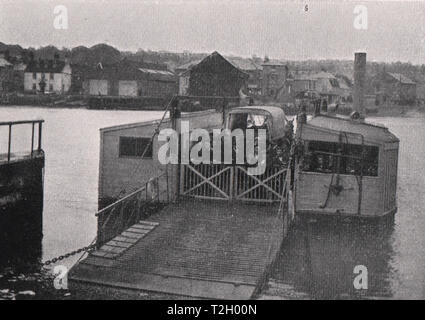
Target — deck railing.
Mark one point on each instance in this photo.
(10, 124)
(120, 215)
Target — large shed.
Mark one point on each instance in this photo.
(215, 76)
(131, 79)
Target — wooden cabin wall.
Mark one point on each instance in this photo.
(312, 190)
(121, 175)
(208, 120)
(390, 179)
(317, 134)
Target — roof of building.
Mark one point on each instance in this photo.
(212, 56)
(4, 63)
(245, 64)
(370, 132)
(401, 78)
(157, 72)
(187, 66)
(46, 66)
(302, 77)
(19, 66)
(323, 75)
(239, 63)
(273, 63)
(130, 70)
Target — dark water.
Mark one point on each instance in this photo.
(71, 143)
(317, 260)
(319, 257)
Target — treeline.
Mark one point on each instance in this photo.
(107, 54)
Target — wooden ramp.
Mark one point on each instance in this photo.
(203, 249)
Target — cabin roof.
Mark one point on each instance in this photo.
(154, 122)
(370, 131)
(274, 111)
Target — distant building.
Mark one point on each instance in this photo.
(48, 76)
(255, 74)
(184, 75)
(274, 76)
(212, 76)
(131, 79)
(420, 93)
(6, 75)
(315, 85)
(327, 85)
(302, 82)
(80, 73)
(395, 88)
(345, 87)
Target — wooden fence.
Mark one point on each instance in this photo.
(227, 182)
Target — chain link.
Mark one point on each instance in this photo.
(69, 254)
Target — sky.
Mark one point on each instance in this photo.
(277, 28)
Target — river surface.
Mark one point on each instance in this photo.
(318, 258)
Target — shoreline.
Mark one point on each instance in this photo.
(396, 111)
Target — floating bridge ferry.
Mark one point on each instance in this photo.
(214, 230)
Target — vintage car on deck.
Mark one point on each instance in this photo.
(279, 130)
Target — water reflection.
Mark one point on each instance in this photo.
(320, 254)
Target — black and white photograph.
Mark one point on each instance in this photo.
(212, 154)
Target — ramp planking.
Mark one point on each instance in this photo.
(203, 249)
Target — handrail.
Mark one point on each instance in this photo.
(10, 124)
(7, 123)
(102, 211)
(118, 216)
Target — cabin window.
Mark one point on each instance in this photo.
(135, 146)
(34, 75)
(343, 158)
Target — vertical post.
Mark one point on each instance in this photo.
(40, 125)
(166, 181)
(157, 189)
(32, 139)
(359, 81)
(9, 143)
(232, 176)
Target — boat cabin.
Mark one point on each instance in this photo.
(124, 165)
(345, 166)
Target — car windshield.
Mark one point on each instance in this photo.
(256, 120)
(247, 120)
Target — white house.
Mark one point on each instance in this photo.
(48, 76)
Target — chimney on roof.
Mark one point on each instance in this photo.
(359, 82)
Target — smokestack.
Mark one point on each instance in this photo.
(359, 81)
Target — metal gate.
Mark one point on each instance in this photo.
(227, 182)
